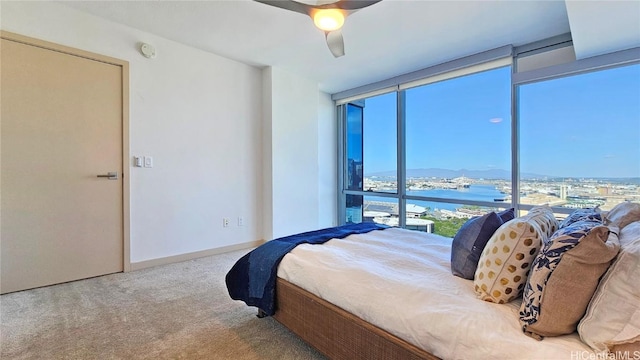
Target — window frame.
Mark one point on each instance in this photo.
(452, 70)
(576, 68)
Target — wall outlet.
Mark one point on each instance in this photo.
(240, 221)
(225, 222)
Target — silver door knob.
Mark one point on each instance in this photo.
(112, 175)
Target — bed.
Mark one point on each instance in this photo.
(399, 301)
(390, 294)
(369, 291)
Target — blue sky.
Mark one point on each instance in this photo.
(579, 126)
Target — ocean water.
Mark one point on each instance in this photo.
(474, 192)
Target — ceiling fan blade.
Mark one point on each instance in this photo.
(335, 42)
(288, 5)
(352, 4)
(316, 2)
(306, 8)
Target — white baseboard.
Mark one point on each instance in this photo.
(194, 255)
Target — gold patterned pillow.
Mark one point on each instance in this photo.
(505, 262)
(543, 215)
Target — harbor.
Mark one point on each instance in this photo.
(424, 215)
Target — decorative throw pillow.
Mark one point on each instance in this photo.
(612, 320)
(543, 215)
(564, 277)
(469, 242)
(507, 215)
(623, 214)
(506, 259)
(582, 215)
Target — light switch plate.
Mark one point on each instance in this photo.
(148, 161)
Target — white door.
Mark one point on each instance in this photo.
(61, 119)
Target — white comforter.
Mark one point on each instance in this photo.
(400, 280)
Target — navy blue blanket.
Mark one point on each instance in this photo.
(253, 278)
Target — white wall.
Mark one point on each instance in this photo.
(327, 161)
(300, 136)
(196, 113)
(267, 152)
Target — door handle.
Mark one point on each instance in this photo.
(111, 175)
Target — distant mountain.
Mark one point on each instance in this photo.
(630, 180)
(449, 174)
(493, 174)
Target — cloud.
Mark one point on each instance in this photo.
(495, 120)
(609, 156)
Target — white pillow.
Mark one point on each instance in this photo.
(612, 319)
(623, 214)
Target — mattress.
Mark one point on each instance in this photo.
(400, 281)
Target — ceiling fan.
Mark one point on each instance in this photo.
(327, 15)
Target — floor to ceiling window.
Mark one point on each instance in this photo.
(580, 139)
(433, 153)
(458, 146)
(371, 156)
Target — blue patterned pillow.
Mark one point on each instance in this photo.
(591, 214)
(564, 276)
(469, 242)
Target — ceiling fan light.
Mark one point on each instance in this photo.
(328, 19)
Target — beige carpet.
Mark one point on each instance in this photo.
(177, 311)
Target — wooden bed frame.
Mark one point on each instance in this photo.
(335, 332)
